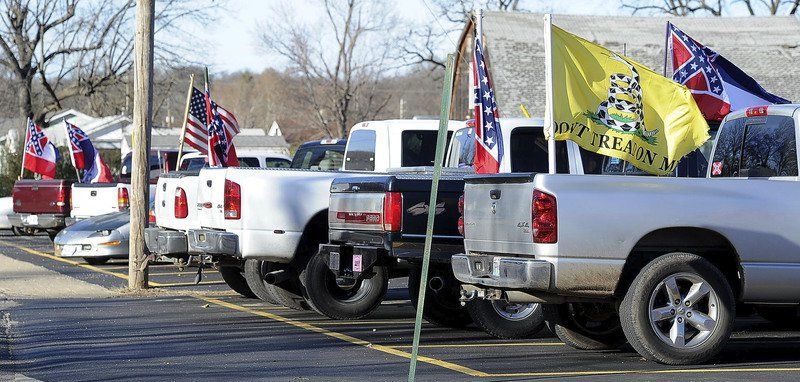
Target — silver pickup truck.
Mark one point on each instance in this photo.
(661, 262)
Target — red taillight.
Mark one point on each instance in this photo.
(233, 200)
(62, 197)
(122, 199)
(151, 216)
(461, 204)
(545, 218)
(181, 205)
(392, 211)
(461, 225)
(756, 111)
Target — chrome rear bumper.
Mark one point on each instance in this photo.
(502, 272)
(165, 242)
(213, 242)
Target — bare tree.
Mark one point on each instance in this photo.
(340, 62)
(423, 44)
(711, 7)
(61, 49)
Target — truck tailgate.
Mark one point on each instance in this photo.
(210, 198)
(41, 196)
(497, 215)
(94, 199)
(164, 202)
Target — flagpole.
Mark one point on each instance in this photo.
(210, 155)
(666, 50)
(71, 153)
(25, 147)
(549, 123)
(185, 120)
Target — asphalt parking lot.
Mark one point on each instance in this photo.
(183, 331)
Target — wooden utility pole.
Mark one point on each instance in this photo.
(140, 138)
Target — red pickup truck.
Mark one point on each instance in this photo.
(41, 204)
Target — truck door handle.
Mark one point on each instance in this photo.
(494, 194)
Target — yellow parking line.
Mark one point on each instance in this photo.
(356, 323)
(64, 260)
(345, 337)
(484, 345)
(79, 264)
(647, 372)
(165, 285)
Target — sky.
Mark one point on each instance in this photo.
(232, 39)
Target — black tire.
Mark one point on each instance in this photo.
(508, 321)
(288, 293)
(650, 288)
(340, 303)
(585, 326)
(441, 308)
(782, 316)
(96, 260)
(17, 231)
(254, 277)
(233, 276)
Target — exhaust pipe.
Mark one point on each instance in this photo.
(436, 283)
(277, 277)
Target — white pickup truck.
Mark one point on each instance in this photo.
(268, 223)
(95, 199)
(661, 262)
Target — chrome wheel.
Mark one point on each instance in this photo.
(684, 310)
(514, 312)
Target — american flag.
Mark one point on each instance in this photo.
(717, 85)
(196, 132)
(489, 147)
(220, 145)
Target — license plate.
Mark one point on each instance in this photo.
(69, 250)
(357, 263)
(31, 220)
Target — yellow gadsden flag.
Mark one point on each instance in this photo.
(612, 105)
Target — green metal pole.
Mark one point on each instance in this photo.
(441, 140)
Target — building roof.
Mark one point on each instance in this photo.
(247, 138)
(767, 48)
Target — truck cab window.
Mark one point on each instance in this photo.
(529, 152)
(419, 147)
(462, 150)
(277, 163)
(248, 162)
(360, 155)
(729, 149)
(318, 158)
(769, 149)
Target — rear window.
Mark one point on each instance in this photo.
(248, 162)
(419, 147)
(756, 147)
(529, 151)
(360, 154)
(193, 164)
(462, 149)
(277, 163)
(322, 157)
